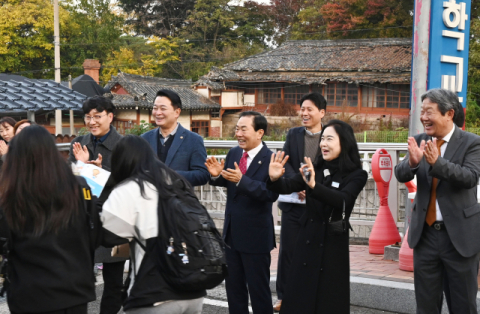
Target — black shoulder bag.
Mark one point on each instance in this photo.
(338, 227)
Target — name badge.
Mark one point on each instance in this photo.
(335, 184)
(326, 172)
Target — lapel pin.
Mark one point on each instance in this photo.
(259, 162)
(181, 137)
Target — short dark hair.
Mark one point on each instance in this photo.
(173, 96)
(317, 99)
(459, 116)
(8, 120)
(100, 103)
(259, 121)
(349, 158)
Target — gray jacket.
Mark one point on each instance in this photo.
(457, 172)
(102, 254)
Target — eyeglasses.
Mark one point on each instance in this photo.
(95, 118)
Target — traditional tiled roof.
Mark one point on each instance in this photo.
(19, 94)
(318, 61)
(144, 89)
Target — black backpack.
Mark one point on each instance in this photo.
(189, 252)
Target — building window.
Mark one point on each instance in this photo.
(293, 94)
(269, 93)
(342, 94)
(386, 96)
(201, 127)
(317, 88)
(215, 113)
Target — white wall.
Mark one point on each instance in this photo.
(232, 99)
(203, 92)
(127, 114)
(200, 115)
(184, 119)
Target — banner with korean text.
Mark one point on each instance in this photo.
(449, 43)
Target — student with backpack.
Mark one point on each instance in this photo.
(48, 226)
(134, 210)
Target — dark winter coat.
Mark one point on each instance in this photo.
(102, 254)
(319, 280)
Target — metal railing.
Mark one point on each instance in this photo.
(367, 204)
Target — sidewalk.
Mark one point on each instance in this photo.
(374, 282)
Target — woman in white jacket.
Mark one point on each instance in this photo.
(131, 211)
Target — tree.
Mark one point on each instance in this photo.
(368, 18)
(162, 50)
(157, 17)
(26, 35)
(99, 31)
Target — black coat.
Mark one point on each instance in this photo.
(319, 280)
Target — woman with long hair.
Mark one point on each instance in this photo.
(131, 211)
(50, 262)
(7, 125)
(320, 278)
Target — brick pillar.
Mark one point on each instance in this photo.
(92, 67)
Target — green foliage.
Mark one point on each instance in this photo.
(139, 129)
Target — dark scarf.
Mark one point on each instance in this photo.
(333, 167)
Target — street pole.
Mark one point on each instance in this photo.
(421, 38)
(72, 129)
(56, 34)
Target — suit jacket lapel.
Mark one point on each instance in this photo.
(452, 147)
(177, 141)
(300, 138)
(257, 161)
(154, 142)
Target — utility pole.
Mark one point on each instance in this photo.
(56, 34)
(72, 129)
(421, 40)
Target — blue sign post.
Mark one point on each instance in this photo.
(448, 49)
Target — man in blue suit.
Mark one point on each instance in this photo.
(179, 148)
(248, 228)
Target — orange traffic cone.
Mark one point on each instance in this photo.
(384, 231)
(405, 257)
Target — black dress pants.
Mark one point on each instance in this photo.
(113, 285)
(78, 309)
(435, 257)
(288, 240)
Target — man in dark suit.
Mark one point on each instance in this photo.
(248, 227)
(444, 230)
(179, 148)
(96, 148)
(302, 141)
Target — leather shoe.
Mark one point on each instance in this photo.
(277, 306)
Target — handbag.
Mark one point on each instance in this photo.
(338, 227)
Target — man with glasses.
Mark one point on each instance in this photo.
(96, 148)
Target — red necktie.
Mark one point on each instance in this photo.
(243, 163)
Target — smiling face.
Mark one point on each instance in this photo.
(165, 115)
(434, 122)
(6, 131)
(98, 122)
(246, 135)
(330, 144)
(311, 116)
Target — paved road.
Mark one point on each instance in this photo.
(215, 303)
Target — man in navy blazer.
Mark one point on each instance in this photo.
(248, 228)
(179, 148)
